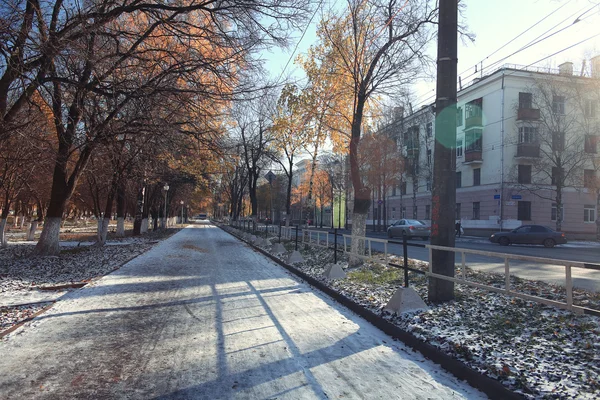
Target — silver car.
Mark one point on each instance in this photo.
(409, 227)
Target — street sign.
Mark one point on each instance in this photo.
(496, 196)
(270, 176)
(516, 197)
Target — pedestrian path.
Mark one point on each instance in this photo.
(203, 316)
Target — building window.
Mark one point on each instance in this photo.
(403, 188)
(556, 175)
(394, 191)
(427, 211)
(524, 174)
(473, 108)
(457, 216)
(558, 141)
(525, 100)
(524, 211)
(476, 210)
(429, 129)
(428, 157)
(476, 176)
(403, 212)
(558, 105)
(589, 178)
(428, 184)
(591, 144)
(554, 215)
(591, 108)
(458, 179)
(528, 134)
(589, 213)
(459, 116)
(459, 148)
(473, 140)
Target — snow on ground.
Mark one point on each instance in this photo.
(536, 350)
(23, 276)
(201, 315)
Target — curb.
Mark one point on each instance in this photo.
(23, 322)
(491, 387)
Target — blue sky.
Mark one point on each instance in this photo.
(495, 23)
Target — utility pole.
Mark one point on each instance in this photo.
(444, 174)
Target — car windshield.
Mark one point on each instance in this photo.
(413, 222)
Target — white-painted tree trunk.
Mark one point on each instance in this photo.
(16, 221)
(22, 222)
(104, 231)
(32, 229)
(3, 241)
(48, 243)
(144, 227)
(99, 230)
(359, 225)
(120, 227)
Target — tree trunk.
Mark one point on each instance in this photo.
(362, 194)
(144, 226)
(99, 224)
(558, 208)
(32, 229)
(139, 212)
(48, 243)
(121, 209)
(3, 241)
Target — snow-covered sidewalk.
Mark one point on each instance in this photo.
(201, 315)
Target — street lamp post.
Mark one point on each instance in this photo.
(166, 189)
(181, 202)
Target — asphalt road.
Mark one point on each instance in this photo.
(584, 278)
(203, 316)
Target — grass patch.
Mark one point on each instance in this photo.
(376, 274)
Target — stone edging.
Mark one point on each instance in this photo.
(491, 387)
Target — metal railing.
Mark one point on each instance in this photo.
(568, 305)
(313, 237)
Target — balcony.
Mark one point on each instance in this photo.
(473, 157)
(528, 114)
(474, 121)
(528, 150)
(412, 152)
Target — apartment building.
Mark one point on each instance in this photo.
(525, 138)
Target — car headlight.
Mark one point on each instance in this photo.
(492, 236)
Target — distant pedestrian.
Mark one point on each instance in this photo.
(458, 228)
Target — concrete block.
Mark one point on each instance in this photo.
(278, 248)
(253, 239)
(404, 300)
(334, 271)
(295, 257)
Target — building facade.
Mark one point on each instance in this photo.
(526, 152)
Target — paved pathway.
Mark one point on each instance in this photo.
(202, 316)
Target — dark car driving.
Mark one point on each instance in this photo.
(529, 234)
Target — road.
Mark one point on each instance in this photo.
(582, 252)
(203, 316)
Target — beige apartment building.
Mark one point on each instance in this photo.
(527, 141)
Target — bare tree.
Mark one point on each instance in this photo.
(554, 144)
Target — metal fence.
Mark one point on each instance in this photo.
(322, 239)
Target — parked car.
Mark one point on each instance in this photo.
(409, 227)
(529, 234)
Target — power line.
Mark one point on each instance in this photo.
(518, 36)
(535, 41)
(299, 41)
